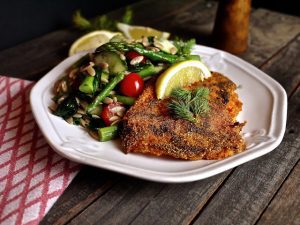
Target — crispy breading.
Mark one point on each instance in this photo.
(149, 128)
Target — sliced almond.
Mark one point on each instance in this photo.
(136, 60)
(108, 100)
(114, 118)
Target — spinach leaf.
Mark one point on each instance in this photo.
(67, 108)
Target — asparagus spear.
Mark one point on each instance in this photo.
(105, 92)
(125, 47)
(125, 99)
(155, 56)
(107, 133)
(150, 70)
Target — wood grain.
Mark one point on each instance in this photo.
(248, 190)
(269, 32)
(77, 197)
(195, 22)
(180, 203)
(120, 204)
(156, 202)
(33, 59)
(285, 66)
(285, 207)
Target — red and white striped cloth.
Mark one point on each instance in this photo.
(32, 175)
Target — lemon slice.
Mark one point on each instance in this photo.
(137, 32)
(91, 40)
(180, 75)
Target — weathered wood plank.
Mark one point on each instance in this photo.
(179, 204)
(120, 204)
(195, 22)
(269, 31)
(33, 58)
(284, 66)
(285, 207)
(135, 195)
(248, 190)
(79, 196)
(152, 12)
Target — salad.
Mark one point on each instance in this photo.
(97, 90)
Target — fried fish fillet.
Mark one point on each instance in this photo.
(149, 128)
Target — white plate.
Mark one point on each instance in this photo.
(264, 109)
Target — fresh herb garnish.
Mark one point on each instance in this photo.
(185, 104)
(184, 47)
(100, 22)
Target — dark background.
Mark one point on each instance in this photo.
(22, 20)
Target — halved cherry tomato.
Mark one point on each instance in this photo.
(131, 55)
(111, 110)
(132, 85)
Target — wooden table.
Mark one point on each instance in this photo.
(263, 191)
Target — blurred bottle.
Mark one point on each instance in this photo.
(231, 27)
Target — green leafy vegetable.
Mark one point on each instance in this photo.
(67, 107)
(185, 104)
(95, 124)
(100, 22)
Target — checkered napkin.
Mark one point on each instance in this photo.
(32, 175)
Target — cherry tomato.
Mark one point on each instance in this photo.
(132, 85)
(132, 55)
(109, 111)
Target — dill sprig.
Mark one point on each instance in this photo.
(185, 104)
(199, 104)
(181, 110)
(100, 22)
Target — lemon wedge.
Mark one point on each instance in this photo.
(91, 40)
(137, 32)
(180, 75)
